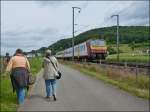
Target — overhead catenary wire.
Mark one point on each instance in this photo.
(83, 7)
(104, 23)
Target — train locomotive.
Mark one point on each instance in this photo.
(93, 49)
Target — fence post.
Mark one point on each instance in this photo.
(100, 61)
(125, 64)
(136, 71)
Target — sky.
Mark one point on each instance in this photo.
(30, 25)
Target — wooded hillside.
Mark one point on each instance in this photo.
(128, 34)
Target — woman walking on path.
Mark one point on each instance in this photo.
(19, 67)
(50, 73)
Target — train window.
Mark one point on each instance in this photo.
(101, 42)
(82, 48)
(69, 51)
(98, 42)
(92, 42)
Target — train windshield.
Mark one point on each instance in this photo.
(98, 42)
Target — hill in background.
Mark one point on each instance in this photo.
(127, 34)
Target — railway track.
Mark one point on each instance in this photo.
(127, 64)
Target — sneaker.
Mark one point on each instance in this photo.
(47, 97)
(54, 97)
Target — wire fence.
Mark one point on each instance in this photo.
(131, 70)
(126, 69)
(121, 70)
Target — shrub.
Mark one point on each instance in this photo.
(111, 50)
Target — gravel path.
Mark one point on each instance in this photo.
(78, 92)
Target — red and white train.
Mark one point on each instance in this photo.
(92, 49)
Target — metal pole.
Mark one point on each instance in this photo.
(73, 34)
(117, 37)
(73, 30)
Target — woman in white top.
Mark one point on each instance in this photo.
(49, 74)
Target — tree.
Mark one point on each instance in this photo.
(133, 46)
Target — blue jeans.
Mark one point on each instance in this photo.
(50, 87)
(20, 95)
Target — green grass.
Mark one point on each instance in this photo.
(127, 53)
(125, 48)
(36, 65)
(8, 100)
(128, 57)
(2, 65)
(7, 97)
(126, 82)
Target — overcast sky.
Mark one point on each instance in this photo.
(34, 24)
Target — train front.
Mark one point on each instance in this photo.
(97, 49)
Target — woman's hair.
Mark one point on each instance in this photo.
(48, 53)
(7, 54)
(19, 51)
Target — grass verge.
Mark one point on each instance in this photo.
(128, 82)
(8, 100)
(7, 97)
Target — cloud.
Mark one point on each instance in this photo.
(17, 44)
(138, 10)
(32, 33)
(13, 33)
(136, 14)
(25, 43)
(27, 39)
(51, 31)
(51, 3)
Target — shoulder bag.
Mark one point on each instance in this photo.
(59, 73)
(31, 77)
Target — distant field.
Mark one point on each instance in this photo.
(127, 53)
(8, 100)
(128, 57)
(125, 48)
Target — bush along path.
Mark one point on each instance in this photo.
(8, 100)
